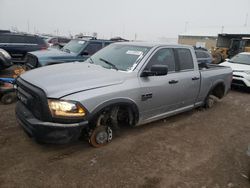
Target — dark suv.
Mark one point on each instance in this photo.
(203, 56)
(17, 45)
(75, 50)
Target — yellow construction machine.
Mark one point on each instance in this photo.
(229, 45)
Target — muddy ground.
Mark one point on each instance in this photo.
(201, 148)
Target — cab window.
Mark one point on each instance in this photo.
(185, 59)
(163, 56)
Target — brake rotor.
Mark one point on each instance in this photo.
(101, 136)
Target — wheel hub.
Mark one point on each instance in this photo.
(102, 137)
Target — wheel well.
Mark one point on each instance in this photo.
(128, 110)
(218, 90)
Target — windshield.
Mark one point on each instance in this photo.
(74, 46)
(119, 56)
(241, 59)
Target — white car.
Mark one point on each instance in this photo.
(240, 64)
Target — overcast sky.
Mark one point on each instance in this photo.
(148, 19)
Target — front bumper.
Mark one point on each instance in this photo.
(240, 80)
(48, 132)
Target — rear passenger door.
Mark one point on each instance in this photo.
(188, 78)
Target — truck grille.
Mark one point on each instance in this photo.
(34, 99)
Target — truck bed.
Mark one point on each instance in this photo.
(203, 66)
(211, 75)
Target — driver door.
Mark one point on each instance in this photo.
(159, 94)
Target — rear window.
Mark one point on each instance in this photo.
(30, 39)
(63, 40)
(18, 39)
(4, 38)
(107, 43)
(185, 59)
(40, 41)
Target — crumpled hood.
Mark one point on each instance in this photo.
(64, 79)
(235, 66)
(51, 53)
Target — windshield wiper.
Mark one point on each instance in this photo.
(111, 64)
(66, 50)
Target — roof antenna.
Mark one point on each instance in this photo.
(222, 29)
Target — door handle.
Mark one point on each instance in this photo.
(173, 81)
(195, 78)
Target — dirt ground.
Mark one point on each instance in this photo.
(201, 148)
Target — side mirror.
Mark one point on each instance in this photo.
(156, 70)
(85, 53)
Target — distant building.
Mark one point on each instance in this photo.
(198, 41)
(207, 37)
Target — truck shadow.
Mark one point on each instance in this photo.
(63, 151)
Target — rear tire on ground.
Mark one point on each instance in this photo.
(210, 101)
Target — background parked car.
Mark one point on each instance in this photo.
(17, 45)
(5, 59)
(57, 42)
(75, 50)
(203, 56)
(241, 69)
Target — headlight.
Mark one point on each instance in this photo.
(5, 54)
(60, 108)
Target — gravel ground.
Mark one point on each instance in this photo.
(200, 148)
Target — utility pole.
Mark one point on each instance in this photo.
(135, 36)
(222, 29)
(28, 26)
(246, 20)
(186, 26)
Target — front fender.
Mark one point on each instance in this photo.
(114, 102)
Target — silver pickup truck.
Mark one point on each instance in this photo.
(124, 84)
